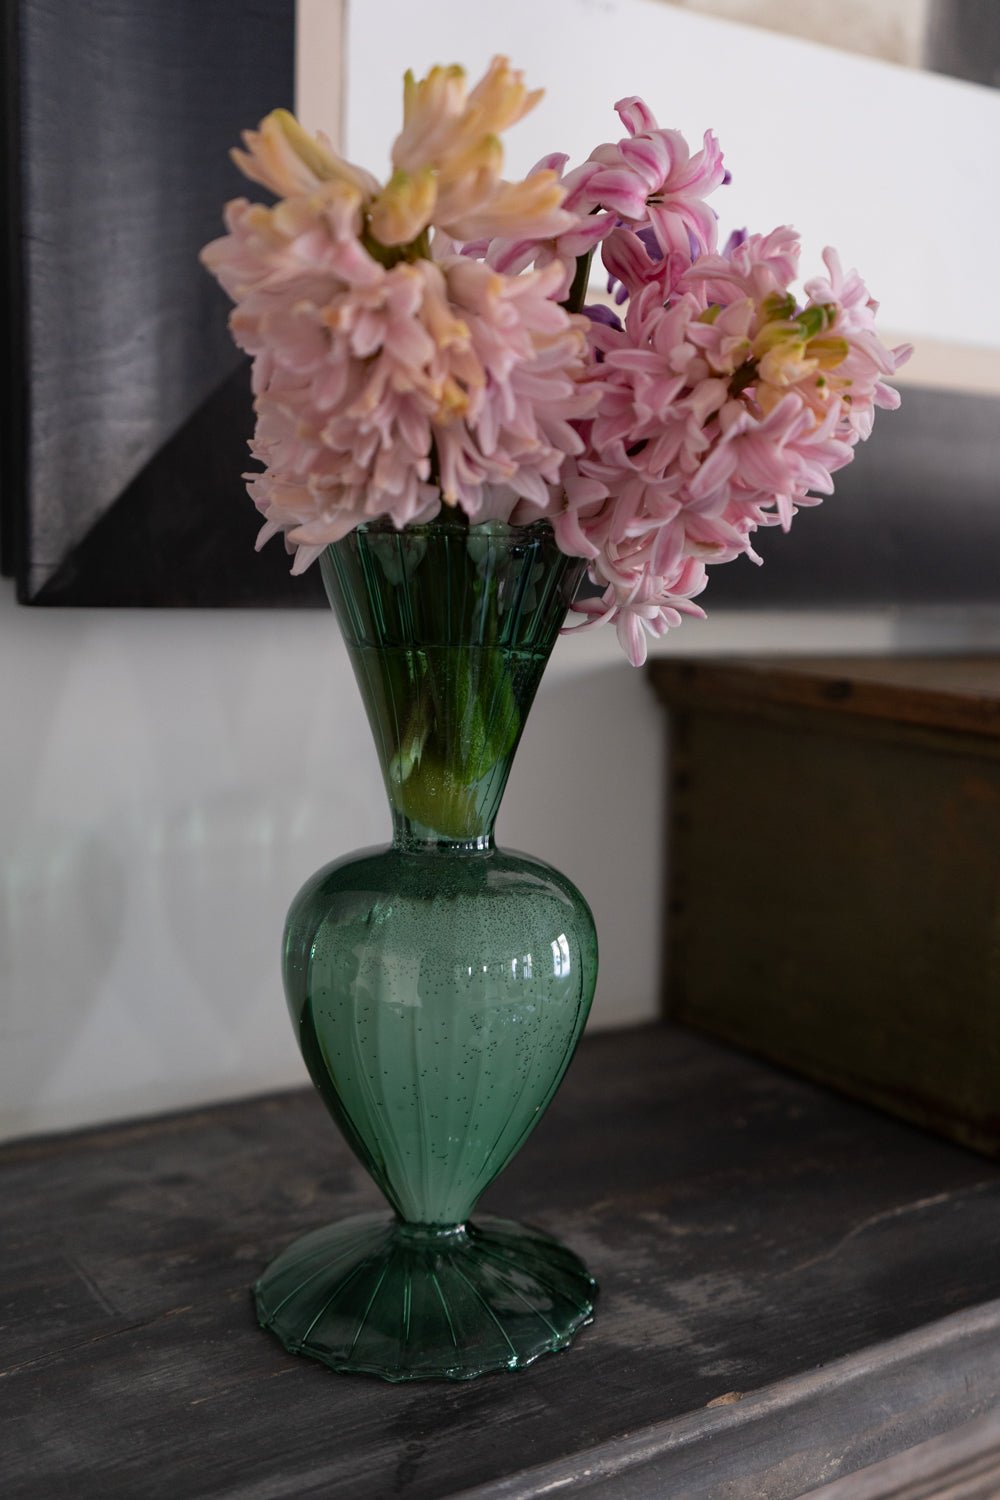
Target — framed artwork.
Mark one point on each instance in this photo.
(122, 462)
(122, 450)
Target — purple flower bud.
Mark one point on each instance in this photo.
(598, 312)
(648, 237)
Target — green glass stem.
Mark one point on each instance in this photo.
(438, 986)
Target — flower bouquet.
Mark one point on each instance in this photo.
(459, 430)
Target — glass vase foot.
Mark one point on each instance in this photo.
(375, 1296)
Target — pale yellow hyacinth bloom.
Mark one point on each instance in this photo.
(280, 155)
(516, 209)
(787, 358)
(447, 163)
(404, 207)
(469, 179)
(454, 136)
(443, 121)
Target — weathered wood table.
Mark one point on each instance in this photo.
(793, 1287)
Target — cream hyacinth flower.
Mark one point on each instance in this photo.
(448, 160)
(283, 157)
(447, 166)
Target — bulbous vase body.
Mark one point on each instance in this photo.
(439, 985)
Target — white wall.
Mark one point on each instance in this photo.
(889, 164)
(169, 779)
(889, 29)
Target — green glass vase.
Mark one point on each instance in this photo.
(439, 985)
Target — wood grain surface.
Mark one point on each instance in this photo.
(839, 819)
(748, 1229)
(957, 694)
(118, 122)
(959, 1465)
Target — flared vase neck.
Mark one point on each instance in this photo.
(449, 629)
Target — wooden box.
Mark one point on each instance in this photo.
(834, 872)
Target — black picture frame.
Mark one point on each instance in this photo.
(123, 450)
(123, 439)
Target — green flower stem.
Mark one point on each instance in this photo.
(581, 280)
(463, 724)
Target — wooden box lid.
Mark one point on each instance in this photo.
(957, 693)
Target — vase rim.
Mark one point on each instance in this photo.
(444, 523)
